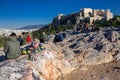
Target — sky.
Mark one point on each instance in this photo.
(20, 13)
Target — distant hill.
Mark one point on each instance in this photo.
(28, 27)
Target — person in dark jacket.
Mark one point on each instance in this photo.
(58, 37)
(12, 47)
(64, 35)
(20, 39)
(61, 37)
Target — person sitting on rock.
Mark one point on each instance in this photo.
(64, 35)
(94, 28)
(44, 38)
(61, 37)
(20, 39)
(29, 37)
(12, 47)
(58, 37)
(35, 47)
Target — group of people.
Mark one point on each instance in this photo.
(83, 27)
(35, 47)
(86, 27)
(13, 48)
(26, 37)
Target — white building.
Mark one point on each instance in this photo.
(85, 14)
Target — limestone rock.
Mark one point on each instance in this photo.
(62, 58)
(18, 70)
(112, 36)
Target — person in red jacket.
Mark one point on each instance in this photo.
(29, 39)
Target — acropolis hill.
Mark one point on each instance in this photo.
(86, 15)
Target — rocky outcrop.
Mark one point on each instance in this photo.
(19, 69)
(76, 51)
(96, 48)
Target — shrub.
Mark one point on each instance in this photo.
(2, 40)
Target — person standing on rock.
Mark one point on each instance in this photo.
(12, 47)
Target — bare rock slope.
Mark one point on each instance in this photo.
(76, 52)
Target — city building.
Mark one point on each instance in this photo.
(86, 15)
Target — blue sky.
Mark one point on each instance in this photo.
(18, 13)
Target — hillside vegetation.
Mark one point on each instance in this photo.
(2, 40)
